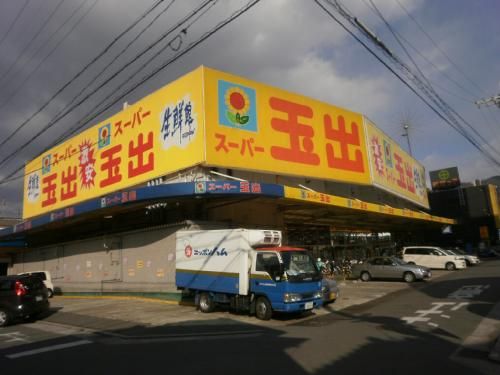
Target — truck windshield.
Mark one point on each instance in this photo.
(299, 266)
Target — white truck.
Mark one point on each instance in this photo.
(247, 269)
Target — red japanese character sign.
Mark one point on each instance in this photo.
(151, 138)
(393, 169)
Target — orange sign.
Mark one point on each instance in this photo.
(256, 127)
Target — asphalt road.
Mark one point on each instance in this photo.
(428, 327)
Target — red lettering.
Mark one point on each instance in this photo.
(49, 188)
(410, 182)
(139, 152)
(345, 139)
(111, 166)
(69, 184)
(299, 152)
(399, 167)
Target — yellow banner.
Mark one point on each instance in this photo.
(495, 208)
(253, 126)
(160, 134)
(392, 169)
(356, 204)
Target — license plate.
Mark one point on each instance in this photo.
(333, 295)
(38, 298)
(309, 305)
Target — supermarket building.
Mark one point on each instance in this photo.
(212, 150)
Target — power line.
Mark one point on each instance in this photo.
(455, 82)
(356, 23)
(35, 36)
(147, 77)
(12, 95)
(84, 121)
(443, 104)
(71, 108)
(428, 91)
(9, 29)
(440, 49)
(83, 70)
(144, 29)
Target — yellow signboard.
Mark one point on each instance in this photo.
(392, 169)
(256, 127)
(356, 204)
(495, 208)
(217, 119)
(160, 134)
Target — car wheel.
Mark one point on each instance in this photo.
(365, 276)
(4, 318)
(50, 293)
(206, 303)
(411, 263)
(450, 266)
(263, 309)
(468, 263)
(409, 277)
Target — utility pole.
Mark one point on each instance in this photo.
(495, 99)
(407, 135)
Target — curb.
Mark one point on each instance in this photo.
(163, 299)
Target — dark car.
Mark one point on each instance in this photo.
(22, 296)
(390, 268)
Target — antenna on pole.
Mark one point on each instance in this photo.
(407, 135)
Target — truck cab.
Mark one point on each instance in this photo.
(287, 277)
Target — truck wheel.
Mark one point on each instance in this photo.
(206, 304)
(263, 309)
(450, 266)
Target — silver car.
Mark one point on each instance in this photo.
(390, 268)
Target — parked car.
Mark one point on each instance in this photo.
(469, 258)
(46, 278)
(22, 296)
(329, 290)
(432, 257)
(390, 268)
(488, 253)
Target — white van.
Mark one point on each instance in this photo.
(432, 257)
(47, 280)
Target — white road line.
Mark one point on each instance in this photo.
(48, 349)
(462, 304)
(433, 324)
(446, 316)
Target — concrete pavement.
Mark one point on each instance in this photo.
(126, 317)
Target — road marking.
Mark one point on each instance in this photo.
(461, 304)
(48, 349)
(437, 309)
(468, 291)
(13, 337)
(433, 324)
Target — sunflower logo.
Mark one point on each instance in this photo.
(238, 105)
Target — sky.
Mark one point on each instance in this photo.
(291, 44)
